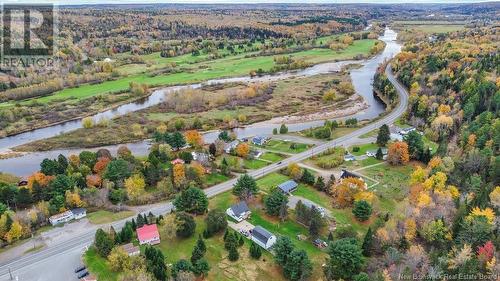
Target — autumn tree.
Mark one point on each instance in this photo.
(194, 138)
(398, 153)
(179, 175)
(135, 186)
(242, 150)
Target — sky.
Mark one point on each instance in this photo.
(77, 2)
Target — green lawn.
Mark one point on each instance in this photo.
(98, 266)
(271, 156)
(271, 180)
(286, 146)
(254, 164)
(215, 178)
(104, 216)
(216, 255)
(225, 67)
(363, 148)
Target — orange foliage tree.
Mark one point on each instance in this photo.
(101, 165)
(345, 192)
(398, 153)
(242, 150)
(40, 178)
(94, 180)
(194, 138)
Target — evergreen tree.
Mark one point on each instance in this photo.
(255, 251)
(215, 221)
(384, 135)
(155, 263)
(231, 241)
(245, 187)
(379, 155)
(103, 243)
(241, 241)
(192, 200)
(298, 266)
(233, 254)
(140, 221)
(307, 177)
(283, 129)
(282, 249)
(345, 259)
(330, 236)
(362, 210)
(320, 183)
(367, 243)
(198, 250)
(274, 202)
(186, 225)
(201, 267)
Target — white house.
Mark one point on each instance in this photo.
(61, 218)
(239, 211)
(79, 213)
(148, 234)
(263, 238)
(230, 146)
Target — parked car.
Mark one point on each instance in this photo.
(320, 243)
(83, 274)
(80, 268)
(244, 232)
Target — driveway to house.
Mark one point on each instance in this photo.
(242, 225)
(57, 261)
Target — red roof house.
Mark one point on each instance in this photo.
(148, 234)
(177, 161)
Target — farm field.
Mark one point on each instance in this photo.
(219, 68)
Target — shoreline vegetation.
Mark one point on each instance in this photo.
(333, 93)
(112, 93)
(107, 92)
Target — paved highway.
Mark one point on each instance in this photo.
(39, 266)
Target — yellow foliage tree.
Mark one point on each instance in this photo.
(194, 138)
(119, 259)
(198, 168)
(15, 232)
(418, 176)
(410, 229)
(495, 197)
(73, 199)
(135, 186)
(178, 174)
(294, 171)
(424, 200)
(488, 213)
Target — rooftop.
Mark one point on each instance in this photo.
(288, 186)
(261, 234)
(240, 208)
(147, 232)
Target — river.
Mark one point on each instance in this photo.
(362, 79)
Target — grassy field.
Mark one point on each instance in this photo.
(271, 156)
(103, 216)
(98, 266)
(254, 164)
(430, 26)
(363, 148)
(215, 178)
(201, 71)
(285, 146)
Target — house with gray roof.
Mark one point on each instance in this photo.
(288, 186)
(262, 237)
(239, 211)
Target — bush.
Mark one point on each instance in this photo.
(355, 149)
(362, 210)
(329, 159)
